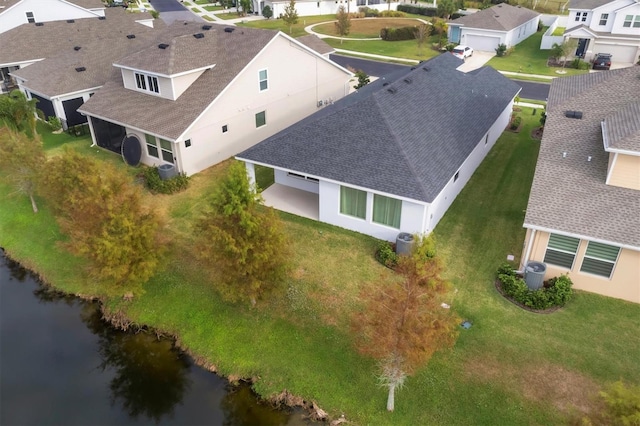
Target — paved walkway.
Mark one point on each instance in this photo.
(519, 74)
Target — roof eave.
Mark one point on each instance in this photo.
(580, 236)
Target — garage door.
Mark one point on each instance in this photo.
(480, 42)
(620, 53)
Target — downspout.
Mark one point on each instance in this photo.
(529, 246)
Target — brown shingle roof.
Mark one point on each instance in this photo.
(314, 42)
(501, 17)
(623, 128)
(569, 194)
(171, 118)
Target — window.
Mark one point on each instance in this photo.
(262, 77)
(603, 18)
(630, 20)
(153, 84)
(353, 202)
(167, 152)
(152, 148)
(187, 143)
(561, 250)
(225, 128)
(147, 82)
(581, 16)
(30, 18)
(600, 259)
(140, 82)
(387, 211)
(261, 119)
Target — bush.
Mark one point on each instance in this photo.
(367, 12)
(398, 34)
(556, 292)
(417, 10)
(386, 255)
(515, 123)
(579, 64)
(391, 14)
(156, 185)
(54, 123)
(267, 12)
(450, 46)
(501, 50)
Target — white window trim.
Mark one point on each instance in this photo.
(260, 89)
(33, 16)
(255, 118)
(146, 80)
(603, 17)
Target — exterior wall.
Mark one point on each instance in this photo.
(625, 172)
(617, 27)
(43, 11)
(547, 39)
(616, 17)
(324, 7)
(164, 84)
(464, 32)
(148, 159)
(411, 219)
(284, 178)
(182, 83)
(445, 198)
(293, 93)
(548, 20)
(623, 284)
(523, 32)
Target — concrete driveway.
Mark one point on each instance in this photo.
(476, 61)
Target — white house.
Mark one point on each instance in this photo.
(499, 24)
(14, 13)
(195, 99)
(393, 156)
(605, 26)
(321, 7)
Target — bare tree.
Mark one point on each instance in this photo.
(422, 33)
(343, 22)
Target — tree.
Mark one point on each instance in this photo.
(363, 79)
(564, 49)
(422, 33)
(267, 12)
(245, 7)
(101, 211)
(440, 27)
(403, 324)
(18, 111)
(22, 159)
(445, 8)
(343, 22)
(290, 15)
(243, 239)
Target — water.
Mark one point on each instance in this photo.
(60, 364)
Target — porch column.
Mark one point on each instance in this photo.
(251, 174)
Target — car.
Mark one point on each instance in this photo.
(462, 52)
(602, 61)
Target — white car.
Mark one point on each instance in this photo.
(462, 52)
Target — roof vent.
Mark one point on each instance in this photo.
(496, 16)
(70, 21)
(76, 48)
(199, 35)
(573, 114)
(206, 27)
(228, 29)
(102, 18)
(80, 69)
(426, 68)
(392, 90)
(413, 68)
(130, 36)
(163, 46)
(408, 80)
(39, 24)
(386, 83)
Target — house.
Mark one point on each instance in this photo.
(393, 156)
(321, 7)
(194, 99)
(314, 42)
(14, 13)
(63, 78)
(499, 24)
(583, 215)
(605, 26)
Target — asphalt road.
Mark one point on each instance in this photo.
(533, 90)
(173, 10)
(372, 68)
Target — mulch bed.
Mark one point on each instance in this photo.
(526, 308)
(536, 133)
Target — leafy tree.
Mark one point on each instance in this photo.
(267, 12)
(245, 6)
(363, 79)
(243, 239)
(102, 212)
(18, 111)
(445, 8)
(564, 49)
(22, 160)
(290, 15)
(422, 33)
(403, 324)
(343, 22)
(440, 27)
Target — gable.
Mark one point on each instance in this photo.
(501, 17)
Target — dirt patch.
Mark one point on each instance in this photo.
(536, 133)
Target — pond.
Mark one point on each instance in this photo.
(60, 363)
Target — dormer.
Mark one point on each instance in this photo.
(621, 139)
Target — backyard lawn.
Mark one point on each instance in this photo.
(511, 367)
(366, 28)
(278, 24)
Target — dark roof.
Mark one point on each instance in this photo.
(501, 17)
(623, 127)
(570, 194)
(587, 4)
(405, 135)
(314, 42)
(588, 29)
(231, 52)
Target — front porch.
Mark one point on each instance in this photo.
(292, 200)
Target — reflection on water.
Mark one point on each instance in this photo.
(57, 370)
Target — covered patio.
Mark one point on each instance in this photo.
(292, 200)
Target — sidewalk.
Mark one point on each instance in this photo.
(516, 74)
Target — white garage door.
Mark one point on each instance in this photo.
(480, 42)
(620, 53)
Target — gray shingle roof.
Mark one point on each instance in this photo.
(587, 4)
(314, 42)
(171, 118)
(598, 33)
(501, 17)
(623, 127)
(569, 194)
(87, 4)
(408, 143)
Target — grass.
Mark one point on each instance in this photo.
(366, 28)
(407, 49)
(529, 59)
(278, 24)
(511, 367)
(208, 18)
(212, 8)
(195, 10)
(229, 15)
(558, 31)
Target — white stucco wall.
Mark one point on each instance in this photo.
(523, 32)
(164, 84)
(182, 83)
(43, 11)
(323, 7)
(297, 80)
(617, 27)
(283, 177)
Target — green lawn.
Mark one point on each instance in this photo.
(212, 8)
(558, 31)
(195, 10)
(407, 49)
(208, 18)
(512, 367)
(229, 15)
(529, 59)
(278, 24)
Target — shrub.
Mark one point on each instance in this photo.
(555, 293)
(386, 255)
(449, 47)
(54, 123)
(579, 64)
(501, 50)
(418, 10)
(367, 12)
(391, 14)
(267, 12)
(515, 123)
(398, 34)
(156, 185)
(622, 404)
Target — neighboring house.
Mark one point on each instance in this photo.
(499, 24)
(314, 42)
(392, 156)
(605, 26)
(63, 78)
(196, 99)
(583, 216)
(14, 13)
(321, 7)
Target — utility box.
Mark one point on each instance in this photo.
(534, 275)
(167, 171)
(404, 243)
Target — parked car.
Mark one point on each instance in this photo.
(602, 61)
(462, 52)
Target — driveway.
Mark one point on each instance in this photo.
(476, 61)
(173, 10)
